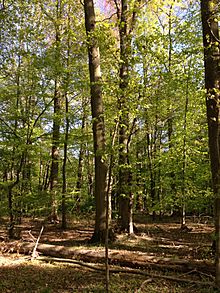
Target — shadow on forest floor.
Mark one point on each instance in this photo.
(153, 241)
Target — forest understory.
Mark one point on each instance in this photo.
(159, 258)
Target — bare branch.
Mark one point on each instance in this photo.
(129, 271)
(11, 129)
(107, 18)
(117, 9)
(34, 253)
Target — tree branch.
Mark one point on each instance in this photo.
(127, 271)
(12, 130)
(107, 18)
(117, 9)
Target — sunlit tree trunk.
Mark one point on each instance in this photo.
(65, 149)
(210, 14)
(67, 124)
(124, 171)
(126, 27)
(184, 164)
(98, 123)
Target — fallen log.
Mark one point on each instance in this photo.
(116, 257)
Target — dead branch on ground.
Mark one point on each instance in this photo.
(127, 271)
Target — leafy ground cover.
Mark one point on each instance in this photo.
(159, 250)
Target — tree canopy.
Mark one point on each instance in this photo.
(156, 143)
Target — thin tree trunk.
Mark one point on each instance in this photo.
(183, 200)
(152, 175)
(209, 11)
(10, 198)
(65, 147)
(12, 185)
(46, 176)
(11, 214)
(40, 174)
(89, 167)
(109, 174)
(170, 49)
(67, 125)
(56, 122)
(80, 162)
(55, 157)
(98, 123)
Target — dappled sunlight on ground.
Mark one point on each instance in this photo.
(157, 246)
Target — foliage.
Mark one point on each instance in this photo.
(165, 69)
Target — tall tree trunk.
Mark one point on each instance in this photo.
(124, 171)
(56, 121)
(10, 197)
(67, 124)
(170, 49)
(170, 125)
(126, 27)
(150, 154)
(98, 123)
(110, 171)
(65, 148)
(14, 181)
(210, 11)
(80, 161)
(55, 155)
(183, 199)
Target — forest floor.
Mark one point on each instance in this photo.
(159, 258)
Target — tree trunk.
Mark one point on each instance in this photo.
(56, 122)
(183, 199)
(80, 162)
(98, 123)
(67, 124)
(124, 172)
(55, 156)
(65, 148)
(209, 10)
(151, 168)
(14, 181)
(89, 168)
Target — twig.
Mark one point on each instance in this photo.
(34, 253)
(117, 9)
(47, 14)
(32, 237)
(70, 261)
(107, 18)
(206, 275)
(143, 284)
(190, 272)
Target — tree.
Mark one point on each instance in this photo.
(153, 123)
(98, 122)
(210, 14)
(126, 14)
(54, 173)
